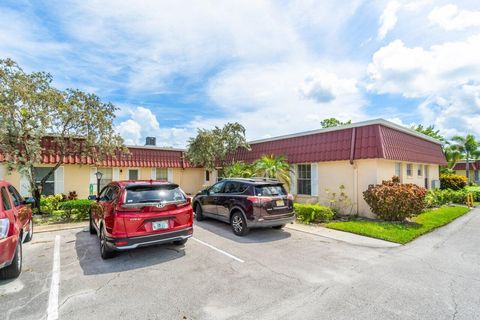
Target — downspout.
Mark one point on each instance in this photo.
(355, 169)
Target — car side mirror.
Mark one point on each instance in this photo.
(93, 197)
(29, 200)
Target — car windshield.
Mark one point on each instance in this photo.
(270, 190)
(154, 193)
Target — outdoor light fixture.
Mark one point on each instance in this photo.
(99, 175)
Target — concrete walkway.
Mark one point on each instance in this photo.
(347, 237)
(59, 226)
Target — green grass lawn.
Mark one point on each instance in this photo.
(401, 232)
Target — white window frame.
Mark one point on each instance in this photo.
(420, 170)
(410, 165)
(133, 169)
(298, 179)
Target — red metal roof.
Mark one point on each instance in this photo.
(473, 165)
(369, 142)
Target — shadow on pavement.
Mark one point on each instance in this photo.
(257, 235)
(88, 253)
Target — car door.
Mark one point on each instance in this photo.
(99, 212)
(23, 211)
(108, 203)
(9, 210)
(226, 199)
(209, 202)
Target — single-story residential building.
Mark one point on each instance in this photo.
(460, 167)
(353, 156)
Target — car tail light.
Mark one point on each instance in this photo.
(259, 200)
(121, 243)
(4, 226)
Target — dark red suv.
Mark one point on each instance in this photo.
(131, 214)
(16, 227)
(246, 203)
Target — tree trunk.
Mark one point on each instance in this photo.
(467, 169)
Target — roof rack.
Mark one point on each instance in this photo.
(256, 179)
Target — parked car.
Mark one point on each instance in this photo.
(246, 204)
(16, 227)
(132, 214)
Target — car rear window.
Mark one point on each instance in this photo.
(270, 190)
(154, 193)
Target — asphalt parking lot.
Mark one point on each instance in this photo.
(269, 274)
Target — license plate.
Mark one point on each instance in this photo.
(280, 203)
(158, 225)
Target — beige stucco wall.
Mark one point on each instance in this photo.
(357, 177)
(76, 178)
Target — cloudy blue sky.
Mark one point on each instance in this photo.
(277, 67)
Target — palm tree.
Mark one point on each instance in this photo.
(468, 147)
(271, 166)
(238, 169)
(452, 154)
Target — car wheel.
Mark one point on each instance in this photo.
(239, 224)
(105, 251)
(91, 228)
(279, 227)
(180, 242)
(13, 270)
(30, 232)
(199, 212)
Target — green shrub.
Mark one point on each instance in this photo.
(75, 209)
(308, 213)
(393, 201)
(438, 197)
(48, 204)
(452, 181)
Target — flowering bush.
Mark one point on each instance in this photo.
(452, 181)
(393, 201)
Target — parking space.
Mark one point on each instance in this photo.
(269, 274)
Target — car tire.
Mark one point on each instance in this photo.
(239, 224)
(105, 251)
(14, 269)
(29, 236)
(180, 242)
(199, 212)
(91, 227)
(279, 227)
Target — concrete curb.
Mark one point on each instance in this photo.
(59, 227)
(347, 237)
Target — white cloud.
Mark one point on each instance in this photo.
(324, 87)
(449, 17)
(388, 19)
(143, 123)
(418, 72)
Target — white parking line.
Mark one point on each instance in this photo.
(52, 311)
(219, 250)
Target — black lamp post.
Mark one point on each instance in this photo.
(99, 175)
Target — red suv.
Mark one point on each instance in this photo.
(16, 227)
(131, 214)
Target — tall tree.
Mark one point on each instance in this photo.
(238, 169)
(37, 120)
(468, 147)
(430, 131)
(211, 147)
(333, 122)
(271, 166)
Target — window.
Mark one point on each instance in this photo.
(109, 193)
(398, 169)
(133, 174)
(154, 193)
(420, 170)
(107, 176)
(409, 169)
(7, 205)
(207, 175)
(217, 188)
(161, 174)
(235, 187)
(275, 190)
(49, 186)
(17, 198)
(304, 179)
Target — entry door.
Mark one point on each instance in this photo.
(426, 176)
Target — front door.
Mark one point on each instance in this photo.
(426, 176)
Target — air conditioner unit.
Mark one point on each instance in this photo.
(435, 184)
